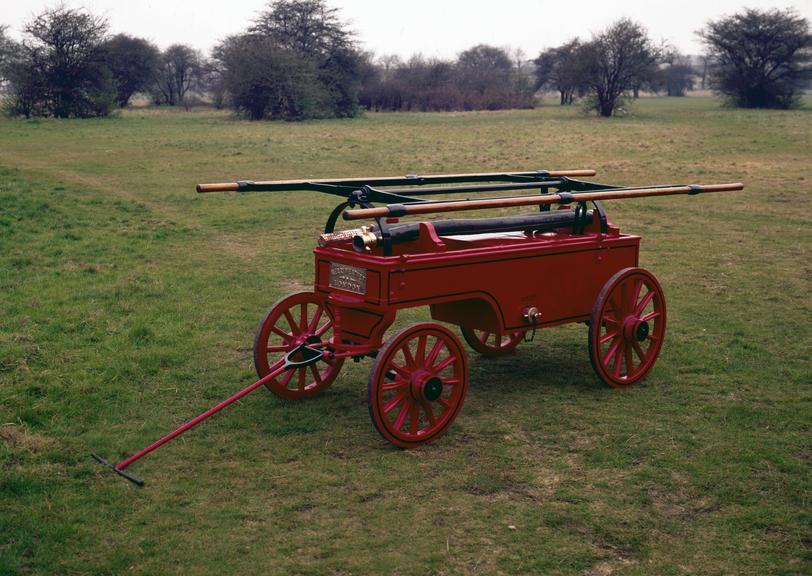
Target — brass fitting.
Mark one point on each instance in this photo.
(364, 239)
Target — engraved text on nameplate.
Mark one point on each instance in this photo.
(349, 278)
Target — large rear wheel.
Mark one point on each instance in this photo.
(627, 327)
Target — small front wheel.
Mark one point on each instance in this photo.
(627, 327)
(417, 385)
(491, 344)
(295, 319)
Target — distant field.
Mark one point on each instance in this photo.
(128, 303)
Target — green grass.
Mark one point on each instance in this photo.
(128, 304)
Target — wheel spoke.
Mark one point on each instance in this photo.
(613, 348)
(618, 361)
(389, 406)
(616, 299)
(293, 326)
(285, 336)
(429, 412)
(626, 292)
(644, 302)
(286, 379)
(407, 354)
(323, 329)
(607, 318)
(315, 321)
(639, 351)
(400, 370)
(650, 316)
(389, 386)
(435, 351)
(484, 337)
(302, 375)
(414, 418)
(404, 411)
(316, 374)
(451, 381)
(444, 364)
(420, 355)
(443, 402)
(629, 360)
(275, 349)
(638, 287)
(608, 337)
(302, 317)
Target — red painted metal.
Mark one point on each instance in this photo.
(275, 371)
(295, 319)
(417, 385)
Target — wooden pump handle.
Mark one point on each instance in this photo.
(218, 187)
(561, 198)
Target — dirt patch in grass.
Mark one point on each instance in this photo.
(20, 439)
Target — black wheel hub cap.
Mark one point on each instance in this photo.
(432, 389)
(642, 331)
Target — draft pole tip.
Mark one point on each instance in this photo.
(137, 481)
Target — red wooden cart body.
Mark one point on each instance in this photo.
(485, 283)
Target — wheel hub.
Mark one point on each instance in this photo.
(635, 329)
(426, 387)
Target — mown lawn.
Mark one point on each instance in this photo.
(128, 304)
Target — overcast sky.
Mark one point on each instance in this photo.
(433, 27)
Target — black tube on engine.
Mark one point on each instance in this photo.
(407, 232)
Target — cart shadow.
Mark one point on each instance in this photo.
(554, 367)
(557, 369)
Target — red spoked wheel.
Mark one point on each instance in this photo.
(417, 385)
(296, 318)
(491, 344)
(627, 327)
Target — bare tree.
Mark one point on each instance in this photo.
(762, 57)
(389, 62)
(133, 63)
(676, 76)
(265, 81)
(7, 50)
(59, 69)
(707, 62)
(306, 27)
(558, 68)
(309, 65)
(484, 68)
(523, 80)
(179, 70)
(614, 62)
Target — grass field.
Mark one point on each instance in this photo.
(128, 304)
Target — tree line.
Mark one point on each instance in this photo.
(480, 78)
(298, 60)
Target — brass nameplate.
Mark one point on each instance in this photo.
(349, 278)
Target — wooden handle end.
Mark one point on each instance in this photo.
(218, 187)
